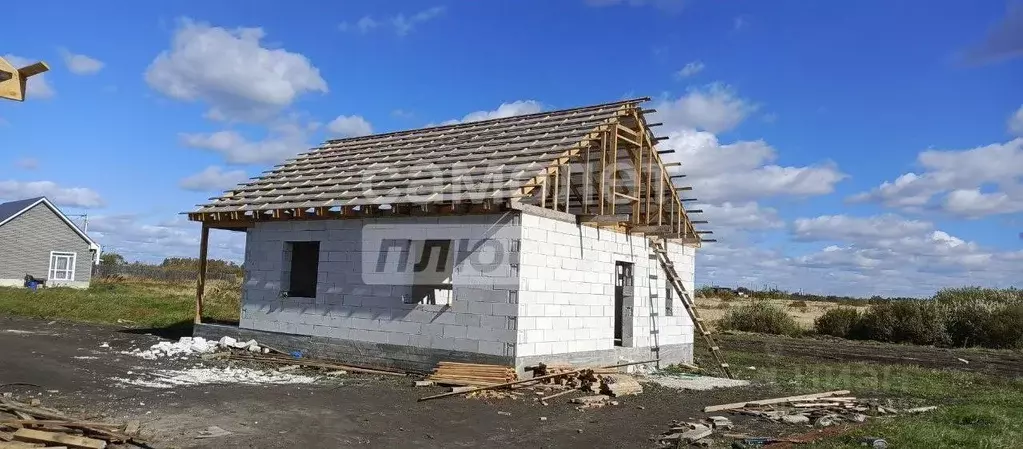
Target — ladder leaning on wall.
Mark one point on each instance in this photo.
(688, 302)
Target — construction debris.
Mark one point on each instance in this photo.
(619, 385)
(579, 378)
(471, 374)
(738, 405)
(196, 345)
(33, 426)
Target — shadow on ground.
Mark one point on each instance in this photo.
(174, 331)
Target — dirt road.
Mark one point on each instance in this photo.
(76, 373)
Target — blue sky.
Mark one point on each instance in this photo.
(789, 116)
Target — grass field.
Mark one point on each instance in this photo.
(135, 302)
(804, 312)
(974, 410)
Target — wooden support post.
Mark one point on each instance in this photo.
(568, 182)
(586, 182)
(603, 170)
(200, 290)
(660, 198)
(543, 192)
(557, 184)
(649, 181)
(614, 170)
(639, 182)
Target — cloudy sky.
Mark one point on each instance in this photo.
(848, 148)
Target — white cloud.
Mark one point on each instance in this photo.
(130, 236)
(900, 256)
(953, 181)
(214, 178)
(38, 85)
(61, 196)
(520, 107)
(743, 171)
(232, 72)
(401, 113)
(672, 6)
(401, 24)
(81, 64)
(714, 107)
(363, 25)
(690, 69)
(283, 140)
(844, 227)
(27, 163)
(746, 216)
(350, 126)
(1004, 40)
(739, 23)
(1015, 123)
(861, 256)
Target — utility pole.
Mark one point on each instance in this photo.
(85, 221)
(14, 81)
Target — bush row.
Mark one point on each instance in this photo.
(958, 317)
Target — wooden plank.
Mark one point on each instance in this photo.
(38, 436)
(19, 445)
(604, 219)
(735, 405)
(200, 288)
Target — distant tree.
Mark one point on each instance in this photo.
(111, 259)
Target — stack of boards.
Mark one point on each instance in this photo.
(471, 374)
(619, 385)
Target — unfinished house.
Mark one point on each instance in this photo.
(547, 237)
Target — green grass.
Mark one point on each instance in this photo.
(132, 302)
(974, 410)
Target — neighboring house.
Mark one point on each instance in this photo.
(37, 239)
(509, 241)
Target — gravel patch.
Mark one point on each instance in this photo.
(690, 382)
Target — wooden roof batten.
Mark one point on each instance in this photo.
(477, 167)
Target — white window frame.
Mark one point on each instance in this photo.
(72, 260)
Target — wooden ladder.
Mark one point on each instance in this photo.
(689, 303)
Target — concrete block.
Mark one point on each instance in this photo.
(453, 331)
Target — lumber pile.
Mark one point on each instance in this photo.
(471, 374)
(30, 425)
(580, 378)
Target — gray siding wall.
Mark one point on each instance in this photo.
(26, 242)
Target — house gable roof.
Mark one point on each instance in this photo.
(11, 210)
(387, 168)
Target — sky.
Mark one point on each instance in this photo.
(850, 148)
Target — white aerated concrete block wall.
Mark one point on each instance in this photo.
(481, 317)
(567, 290)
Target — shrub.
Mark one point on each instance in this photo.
(837, 322)
(760, 317)
(982, 316)
(798, 304)
(917, 322)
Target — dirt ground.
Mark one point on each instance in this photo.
(713, 309)
(986, 361)
(74, 373)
